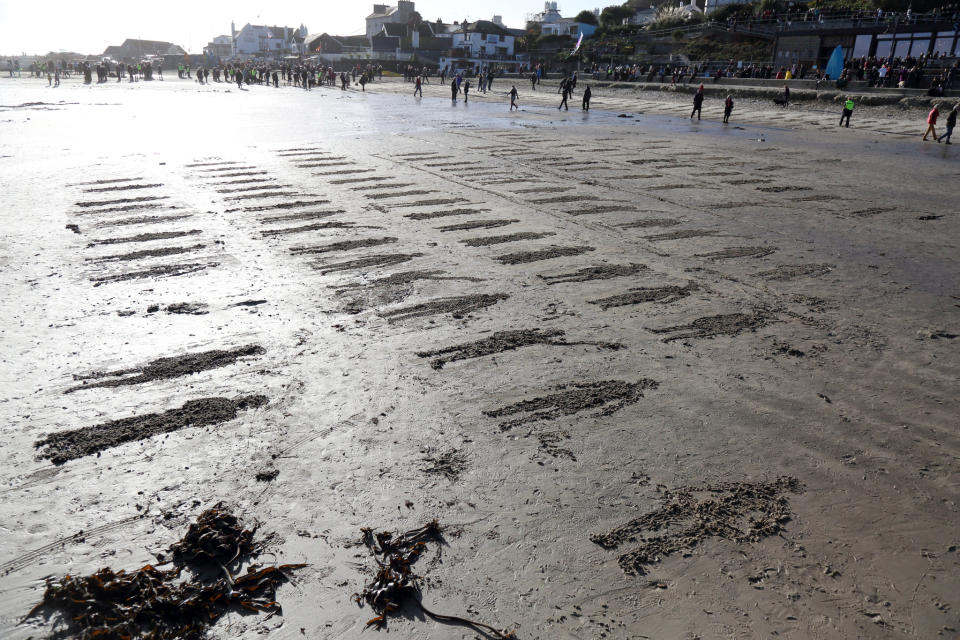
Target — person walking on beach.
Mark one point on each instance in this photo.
(951, 123)
(418, 87)
(466, 91)
(727, 109)
(932, 122)
(847, 112)
(513, 99)
(454, 90)
(786, 96)
(565, 93)
(587, 94)
(697, 103)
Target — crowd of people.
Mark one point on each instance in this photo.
(878, 72)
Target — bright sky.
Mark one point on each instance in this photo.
(89, 27)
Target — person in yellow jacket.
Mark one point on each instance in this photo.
(847, 112)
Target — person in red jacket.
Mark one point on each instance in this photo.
(932, 123)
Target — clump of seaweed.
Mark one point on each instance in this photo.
(395, 584)
(154, 604)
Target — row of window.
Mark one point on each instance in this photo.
(889, 45)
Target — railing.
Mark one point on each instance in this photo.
(767, 25)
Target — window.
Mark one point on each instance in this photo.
(862, 46)
(883, 48)
(943, 44)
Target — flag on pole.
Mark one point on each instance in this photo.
(579, 42)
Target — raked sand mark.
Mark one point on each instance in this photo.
(477, 224)
(737, 252)
(640, 295)
(161, 271)
(650, 222)
(603, 272)
(403, 278)
(126, 222)
(167, 368)
(366, 262)
(526, 257)
(445, 213)
(147, 237)
(345, 245)
(720, 325)
(514, 237)
(503, 341)
(791, 271)
(608, 397)
(64, 446)
(742, 512)
(458, 307)
(149, 253)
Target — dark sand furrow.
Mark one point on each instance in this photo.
(345, 245)
(69, 445)
(294, 204)
(147, 237)
(366, 262)
(126, 187)
(604, 272)
(458, 307)
(305, 215)
(166, 368)
(149, 253)
(526, 257)
(515, 237)
(477, 224)
(86, 204)
(162, 271)
(124, 222)
(311, 227)
(607, 397)
(430, 215)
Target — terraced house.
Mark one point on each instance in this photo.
(484, 39)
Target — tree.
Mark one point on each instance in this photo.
(587, 17)
(615, 15)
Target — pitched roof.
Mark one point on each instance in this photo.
(386, 14)
(483, 26)
(335, 44)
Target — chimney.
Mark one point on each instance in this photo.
(379, 8)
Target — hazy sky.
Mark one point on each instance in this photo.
(89, 27)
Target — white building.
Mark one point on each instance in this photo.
(552, 23)
(260, 40)
(484, 39)
(385, 14)
(220, 47)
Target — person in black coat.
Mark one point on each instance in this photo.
(697, 103)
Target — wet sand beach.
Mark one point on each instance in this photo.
(655, 378)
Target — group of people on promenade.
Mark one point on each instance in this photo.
(933, 72)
